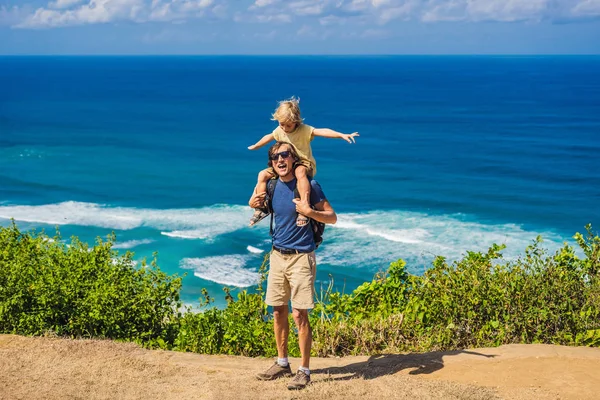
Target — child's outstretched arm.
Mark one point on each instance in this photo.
(330, 133)
(264, 140)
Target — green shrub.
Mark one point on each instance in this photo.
(386, 294)
(81, 291)
(243, 327)
(479, 300)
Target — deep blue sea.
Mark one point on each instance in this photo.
(454, 154)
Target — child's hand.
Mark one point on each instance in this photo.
(350, 138)
(253, 147)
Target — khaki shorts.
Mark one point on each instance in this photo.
(306, 163)
(292, 277)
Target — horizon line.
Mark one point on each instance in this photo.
(311, 55)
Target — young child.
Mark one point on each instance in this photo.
(291, 129)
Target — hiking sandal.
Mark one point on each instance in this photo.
(258, 216)
(301, 220)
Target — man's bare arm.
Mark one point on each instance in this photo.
(323, 212)
(257, 200)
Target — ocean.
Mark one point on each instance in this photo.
(455, 153)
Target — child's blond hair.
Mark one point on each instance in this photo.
(288, 110)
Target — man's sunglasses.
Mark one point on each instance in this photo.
(283, 154)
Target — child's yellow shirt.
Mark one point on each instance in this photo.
(300, 138)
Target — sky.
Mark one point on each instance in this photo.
(136, 27)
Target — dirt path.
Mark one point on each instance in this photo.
(47, 368)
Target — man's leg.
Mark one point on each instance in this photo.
(302, 286)
(278, 296)
(281, 327)
(304, 335)
(282, 330)
(302, 377)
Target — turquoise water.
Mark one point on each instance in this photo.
(455, 153)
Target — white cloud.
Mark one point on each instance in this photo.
(507, 10)
(384, 11)
(263, 3)
(278, 18)
(586, 8)
(174, 10)
(61, 13)
(379, 3)
(161, 12)
(264, 12)
(63, 3)
(449, 11)
(220, 11)
(189, 6)
(401, 12)
(359, 5)
(95, 12)
(477, 10)
(308, 7)
(381, 12)
(332, 20)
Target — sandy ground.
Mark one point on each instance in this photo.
(50, 368)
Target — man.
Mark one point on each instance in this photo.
(292, 262)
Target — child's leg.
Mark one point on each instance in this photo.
(303, 186)
(261, 187)
(263, 177)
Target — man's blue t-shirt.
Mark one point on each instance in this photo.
(286, 235)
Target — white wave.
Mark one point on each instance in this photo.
(363, 240)
(254, 250)
(225, 270)
(194, 223)
(132, 243)
(346, 222)
(191, 234)
(377, 238)
(414, 235)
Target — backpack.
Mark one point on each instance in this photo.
(317, 227)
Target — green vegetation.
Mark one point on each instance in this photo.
(481, 300)
(81, 291)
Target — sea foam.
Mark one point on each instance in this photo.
(131, 243)
(226, 270)
(369, 240)
(190, 223)
(254, 250)
(372, 240)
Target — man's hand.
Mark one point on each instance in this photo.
(303, 207)
(257, 200)
(350, 137)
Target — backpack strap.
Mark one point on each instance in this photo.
(270, 190)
